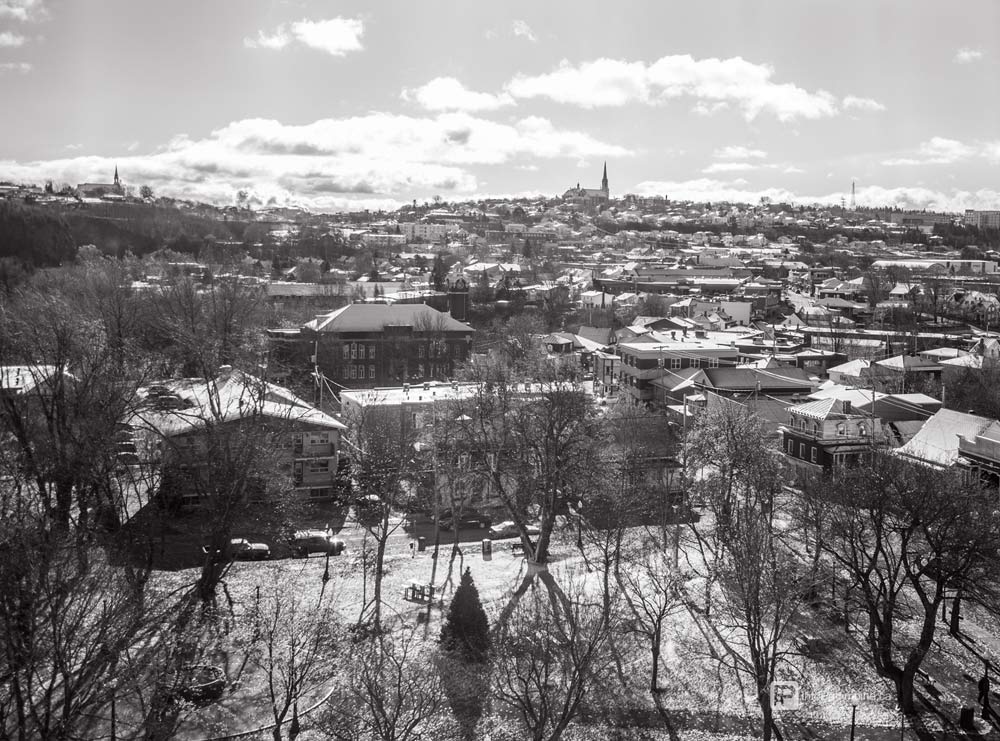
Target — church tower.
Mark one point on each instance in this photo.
(118, 183)
(604, 180)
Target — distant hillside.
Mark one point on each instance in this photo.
(34, 236)
(144, 228)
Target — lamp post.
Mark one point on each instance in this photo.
(113, 686)
(854, 712)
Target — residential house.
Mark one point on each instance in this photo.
(180, 421)
(824, 434)
(648, 357)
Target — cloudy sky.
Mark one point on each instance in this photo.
(366, 105)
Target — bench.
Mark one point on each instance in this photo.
(517, 548)
(419, 593)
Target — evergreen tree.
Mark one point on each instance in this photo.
(439, 273)
(466, 629)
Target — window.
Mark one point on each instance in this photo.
(802, 451)
(297, 443)
(361, 352)
(841, 429)
(420, 352)
(371, 371)
(354, 371)
(344, 373)
(696, 362)
(354, 351)
(862, 429)
(420, 370)
(812, 455)
(791, 447)
(713, 362)
(346, 351)
(319, 465)
(320, 492)
(371, 352)
(675, 363)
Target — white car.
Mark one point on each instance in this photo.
(508, 529)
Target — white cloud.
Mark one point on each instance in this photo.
(854, 103)
(733, 81)
(730, 167)
(604, 82)
(448, 94)
(23, 10)
(12, 67)
(966, 55)
(792, 170)
(702, 108)
(523, 30)
(331, 163)
(736, 191)
(939, 150)
(10, 40)
(336, 36)
(739, 152)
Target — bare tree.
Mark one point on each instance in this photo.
(296, 645)
(70, 620)
(761, 578)
(393, 692)
(549, 657)
(908, 534)
(382, 460)
(650, 586)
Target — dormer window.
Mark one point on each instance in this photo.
(841, 429)
(863, 430)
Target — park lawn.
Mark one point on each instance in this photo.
(702, 700)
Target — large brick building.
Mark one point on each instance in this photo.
(366, 345)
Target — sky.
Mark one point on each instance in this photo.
(352, 105)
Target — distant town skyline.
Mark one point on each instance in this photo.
(351, 105)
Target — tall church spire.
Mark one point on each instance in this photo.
(604, 180)
(116, 175)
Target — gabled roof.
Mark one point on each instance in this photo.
(600, 335)
(233, 395)
(830, 408)
(376, 317)
(937, 441)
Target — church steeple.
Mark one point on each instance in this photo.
(116, 176)
(604, 180)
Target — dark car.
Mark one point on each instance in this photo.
(464, 519)
(242, 549)
(306, 542)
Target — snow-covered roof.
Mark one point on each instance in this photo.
(937, 441)
(232, 396)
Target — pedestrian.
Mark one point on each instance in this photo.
(984, 694)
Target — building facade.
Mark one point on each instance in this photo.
(366, 345)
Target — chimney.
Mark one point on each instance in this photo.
(847, 407)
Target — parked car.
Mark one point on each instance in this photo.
(305, 542)
(464, 519)
(243, 550)
(508, 529)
